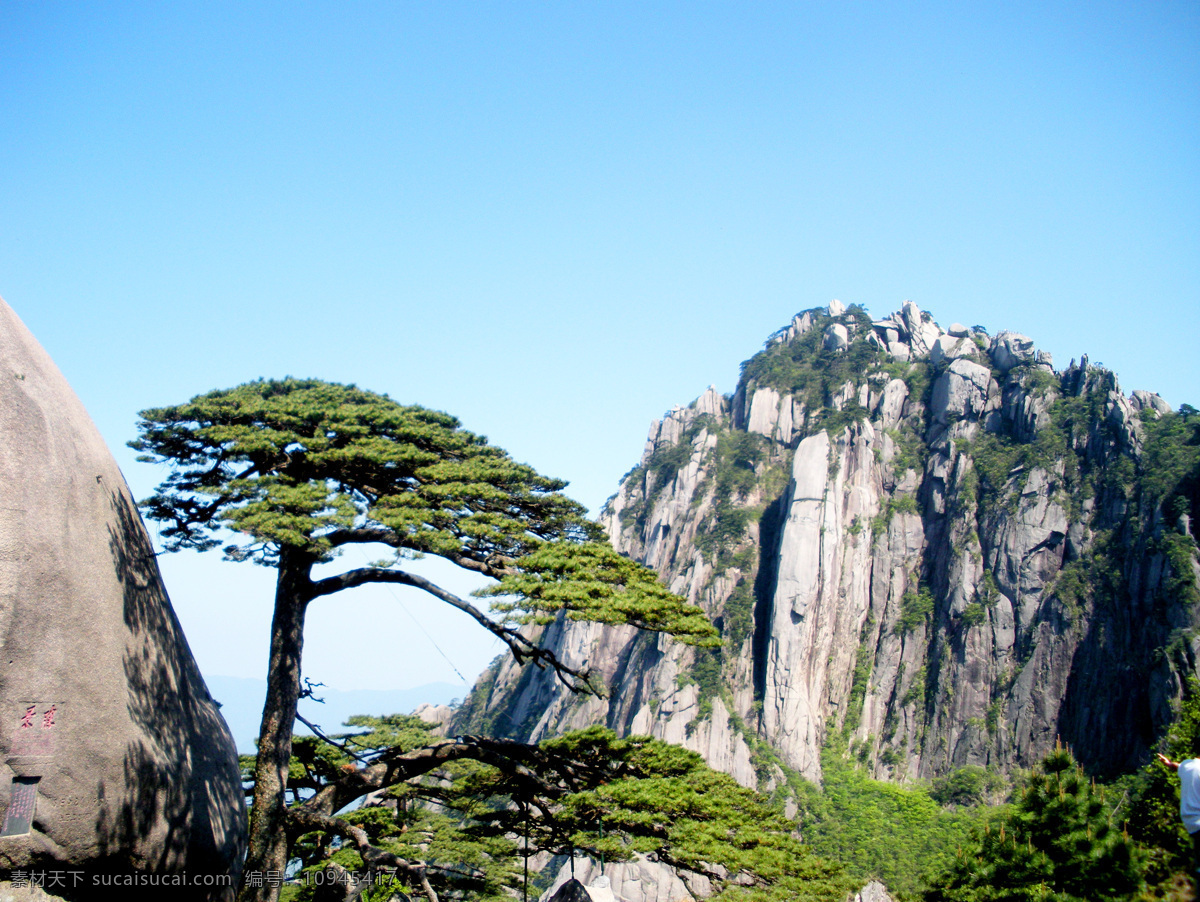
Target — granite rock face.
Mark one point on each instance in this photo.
(930, 542)
(873, 892)
(639, 880)
(105, 722)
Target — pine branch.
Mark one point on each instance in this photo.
(523, 649)
(373, 856)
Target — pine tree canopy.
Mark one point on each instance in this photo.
(312, 466)
(591, 581)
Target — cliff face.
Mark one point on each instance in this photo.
(928, 541)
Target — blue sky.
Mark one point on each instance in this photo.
(558, 220)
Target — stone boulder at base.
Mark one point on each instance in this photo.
(637, 880)
(873, 892)
(118, 767)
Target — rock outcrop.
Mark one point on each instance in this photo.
(930, 545)
(640, 880)
(116, 759)
(873, 892)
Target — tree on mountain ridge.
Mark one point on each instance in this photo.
(303, 468)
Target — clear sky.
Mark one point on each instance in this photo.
(557, 220)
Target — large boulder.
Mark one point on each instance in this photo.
(949, 347)
(873, 892)
(1010, 349)
(836, 338)
(1144, 400)
(963, 390)
(117, 763)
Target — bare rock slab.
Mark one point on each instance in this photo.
(116, 760)
(873, 892)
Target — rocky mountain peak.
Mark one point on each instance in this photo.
(928, 546)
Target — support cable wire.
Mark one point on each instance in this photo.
(396, 595)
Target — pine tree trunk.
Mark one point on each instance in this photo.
(267, 855)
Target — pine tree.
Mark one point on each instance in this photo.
(303, 468)
(1055, 844)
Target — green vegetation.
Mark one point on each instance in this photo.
(919, 380)
(1180, 552)
(1172, 459)
(1167, 476)
(733, 472)
(1002, 463)
(910, 451)
(1063, 837)
(705, 674)
(1066, 838)
(738, 615)
(1154, 820)
(970, 785)
(915, 608)
(903, 504)
(988, 592)
(399, 822)
(1036, 380)
(994, 459)
(1170, 480)
(834, 421)
(992, 720)
(299, 469)
(657, 799)
(973, 615)
(862, 676)
(1095, 580)
(880, 830)
(813, 375)
(1056, 843)
(590, 581)
(455, 822)
(915, 695)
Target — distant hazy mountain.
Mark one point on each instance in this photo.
(241, 702)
